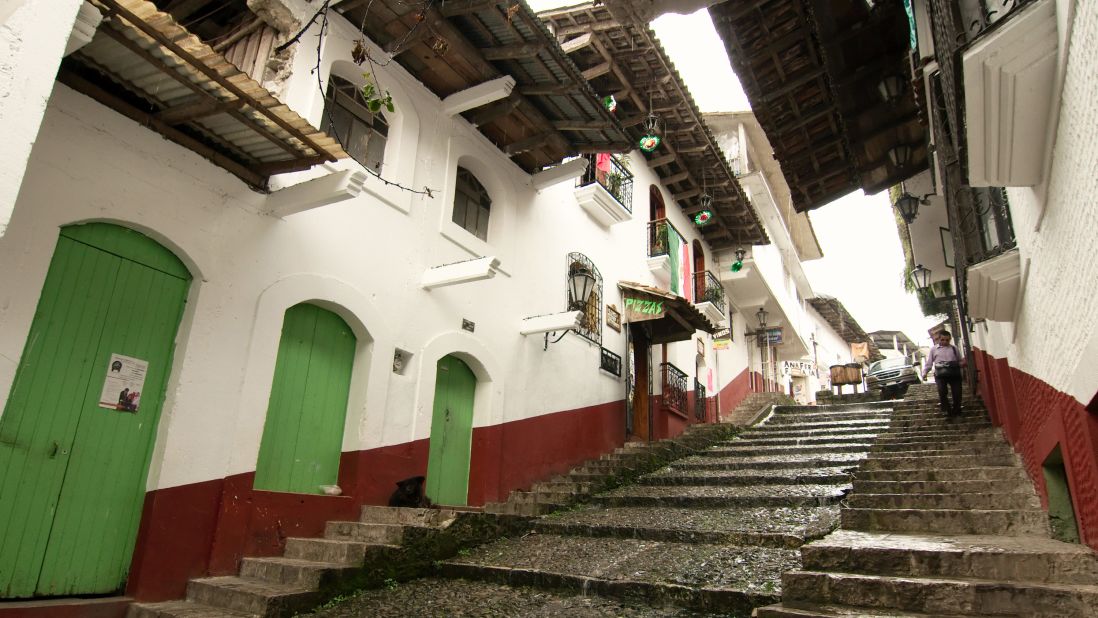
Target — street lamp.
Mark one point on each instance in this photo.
(920, 276)
(891, 87)
(908, 205)
(761, 316)
(580, 285)
(899, 155)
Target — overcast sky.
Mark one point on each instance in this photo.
(863, 262)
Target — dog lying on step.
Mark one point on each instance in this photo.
(409, 493)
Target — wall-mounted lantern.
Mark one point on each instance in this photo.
(920, 276)
(908, 206)
(580, 285)
(899, 155)
(891, 88)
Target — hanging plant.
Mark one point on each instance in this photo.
(648, 143)
(702, 218)
(374, 98)
(610, 103)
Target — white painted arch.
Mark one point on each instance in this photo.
(488, 396)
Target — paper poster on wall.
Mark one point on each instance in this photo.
(124, 382)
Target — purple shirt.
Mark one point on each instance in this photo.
(941, 354)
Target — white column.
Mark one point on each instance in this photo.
(32, 43)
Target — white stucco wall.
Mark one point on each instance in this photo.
(362, 258)
(31, 47)
(1057, 322)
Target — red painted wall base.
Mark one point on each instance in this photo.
(112, 607)
(1036, 418)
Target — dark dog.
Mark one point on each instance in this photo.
(409, 493)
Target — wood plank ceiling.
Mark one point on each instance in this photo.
(627, 61)
(451, 46)
(811, 70)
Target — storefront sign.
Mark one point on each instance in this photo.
(639, 309)
(797, 367)
(124, 382)
(613, 317)
(772, 337)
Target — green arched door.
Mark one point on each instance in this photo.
(303, 433)
(451, 433)
(76, 434)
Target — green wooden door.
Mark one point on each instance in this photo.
(72, 473)
(303, 433)
(451, 433)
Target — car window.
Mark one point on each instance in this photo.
(888, 363)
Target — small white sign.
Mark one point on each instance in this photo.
(124, 382)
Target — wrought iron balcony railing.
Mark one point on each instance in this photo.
(674, 388)
(708, 289)
(617, 180)
(660, 236)
(699, 400)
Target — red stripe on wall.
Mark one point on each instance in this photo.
(207, 528)
(1036, 418)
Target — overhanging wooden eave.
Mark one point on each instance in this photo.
(146, 66)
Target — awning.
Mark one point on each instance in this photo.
(667, 316)
(147, 67)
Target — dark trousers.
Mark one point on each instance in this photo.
(944, 386)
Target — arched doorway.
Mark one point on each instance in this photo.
(451, 433)
(77, 432)
(699, 271)
(303, 432)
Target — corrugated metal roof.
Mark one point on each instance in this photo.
(191, 91)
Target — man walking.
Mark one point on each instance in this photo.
(946, 361)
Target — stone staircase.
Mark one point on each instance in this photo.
(296, 581)
(943, 521)
(611, 469)
(711, 532)
(755, 406)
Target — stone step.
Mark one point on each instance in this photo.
(786, 476)
(250, 596)
(976, 597)
(406, 516)
(540, 497)
(729, 496)
(940, 436)
(943, 448)
(563, 486)
(821, 425)
(764, 526)
(384, 534)
(331, 551)
(814, 610)
(971, 501)
(982, 473)
(940, 521)
(810, 438)
(956, 424)
(828, 447)
(824, 417)
(1029, 558)
(698, 576)
(746, 462)
(794, 431)
(292, 572)
(522, 510)
(182, 609)
(1002, 486)
(905, 461)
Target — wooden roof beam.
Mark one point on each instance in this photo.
(453, 8)
(577, 43)
(528, 144)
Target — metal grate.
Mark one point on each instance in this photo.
(674, 388)
(610, 362)
(590, 327)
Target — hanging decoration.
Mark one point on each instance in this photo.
(702, 218)
(737, 266)
(651, 139)
(610, 103)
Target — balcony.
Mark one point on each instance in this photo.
(709, 296)
(674, 389)
(606, 194)
(664, 244)
(1010, 71)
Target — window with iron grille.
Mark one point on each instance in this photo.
(610, 362)
(472, 204)
(346, 118)
(590, 327)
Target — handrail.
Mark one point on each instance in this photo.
(618, 180)
(659, 235)
(708, 289)
(674, 388)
